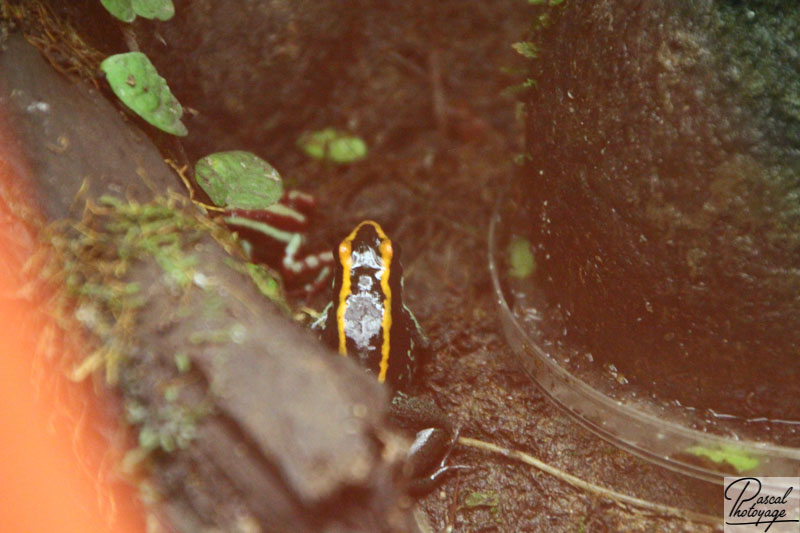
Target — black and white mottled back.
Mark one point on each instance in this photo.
(367, 318)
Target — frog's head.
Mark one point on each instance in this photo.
(366, 247)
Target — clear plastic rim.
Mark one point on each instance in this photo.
(651, 438)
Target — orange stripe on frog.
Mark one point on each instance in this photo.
(346, 260)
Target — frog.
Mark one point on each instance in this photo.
(368, 320)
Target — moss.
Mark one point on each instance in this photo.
(757, 49)
(167, 427)
(97, 252)
(93, 259)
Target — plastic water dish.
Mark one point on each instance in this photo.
(636, 424)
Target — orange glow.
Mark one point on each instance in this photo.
(54, 471)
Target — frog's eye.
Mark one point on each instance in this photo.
(344, 253)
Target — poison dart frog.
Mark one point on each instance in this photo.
(367, 320)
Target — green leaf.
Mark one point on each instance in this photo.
(135, 81)
(333, 145)
(347, 150)
(519, 87)
(521, 263)
(120, 8)
(265, 281)
(182, 362)
(239, 180)
(153, 9)
(488, 498)
(735, 457)
(526, 49)
(126, 10)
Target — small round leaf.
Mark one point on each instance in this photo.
(120, 8)
(154, 9)
(239, 180)
(521, 263)
(135, 81)
(333, 145)
(347, 149)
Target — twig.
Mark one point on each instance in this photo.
(181, 172)
(580, 484)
